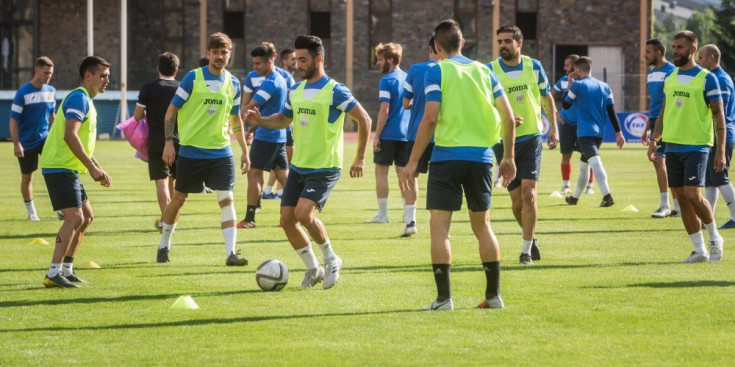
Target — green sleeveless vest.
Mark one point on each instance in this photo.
(524, 96)
(56, 153)
(317, 143)
(204, 119)
(687, 116)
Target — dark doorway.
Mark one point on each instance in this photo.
(561, 52)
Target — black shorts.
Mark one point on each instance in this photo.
(192, 174)
(660, 145)
(498, 151)
(589, 146)
(158, 169)
(391, 151)
(423, 165)
(315, 186)
(686, 169)
(528, 161)
(289, 138)
(29, 162)
(65, 190)
(447, 180)
(568, 138)
(265, 155)
(715, 179)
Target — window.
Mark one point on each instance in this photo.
(465, 13)
(233, 24)
(18, 42)
(526, 20)
(173, 28)
(320, 24)
(381, 26)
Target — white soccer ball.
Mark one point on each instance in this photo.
(272, 275)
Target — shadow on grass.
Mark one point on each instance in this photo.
(683, 284)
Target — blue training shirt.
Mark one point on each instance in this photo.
(391, 92)
(416, 81)
(655, 83)
(568, 115)
(434, 94)
(270, 96)
(214, 83)
(727, 91)
(31, 108)
(76, 107)
(286, 76)
(592, 96)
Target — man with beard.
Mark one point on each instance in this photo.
(655, 56)
(692, 98)
(206, 104)
(318, 104)
(524, 80)
(389, 143)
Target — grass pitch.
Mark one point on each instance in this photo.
(610, 289)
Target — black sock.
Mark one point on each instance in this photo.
(441, 277)
(492, 273)
(68, 259)
(250, 214)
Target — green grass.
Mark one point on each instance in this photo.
(610, 289)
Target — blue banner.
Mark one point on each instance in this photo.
(631, 123)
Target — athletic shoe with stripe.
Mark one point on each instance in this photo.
(378, 219)
(495, 302)
(715, 250)
(331, 271)
(58, 281)
(728, 225)
(246, 225)
(234, 260)
(75, 279)
(312, 277)
(33, 217)
(696, 257)
(446, 304)
(525, 259)
(409, 230)
(661, 212)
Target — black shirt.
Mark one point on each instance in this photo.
(156, 96)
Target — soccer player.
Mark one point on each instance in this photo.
(268, 150)
(465, 105)
(318, 104)
(206, 104)
(414, 99)
(389, 143)
(67, 153)
(32, 109)
(568, 130)
(593, 98)
(692, 98)
(524, 79)
(655, 56)
(709, 58)
(153, 101)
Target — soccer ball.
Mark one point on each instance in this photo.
(272, 275)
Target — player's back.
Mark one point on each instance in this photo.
(391, 91)
(592, 98)
(414, 87)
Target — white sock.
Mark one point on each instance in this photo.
(404, 201)
(67, 269)
(600, 174)
(712, 231)
(383, 207)
(728, 194)
(676, 205)
(307, 256)
(230, 239)
(166, 233)
(584, 176)
(268, 189)
(279, 192)
(565, 183)
(698, 242)
(327, 252)
(664, 199)
(710, 194)
(30, 207)
(527, 247)
(409, 214)
(54, 270)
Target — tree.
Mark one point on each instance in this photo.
(725, 33)
(703, 24)
(665, 32)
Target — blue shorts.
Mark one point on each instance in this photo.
(29, 162)
(686, 169)
(715, 179)
(660, 145)
(447, 180)
(289, 138)
(315, 186)
(265, 155)
(589, 146)
(423, 165)
(568, 138)
(65, 190)
(192, 174)
(391, 151)
(528, 161)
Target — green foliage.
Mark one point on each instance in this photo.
(703, 24)
(665, 32)
(725, 32)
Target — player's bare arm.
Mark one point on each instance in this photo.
(364, 122)
(169, 153)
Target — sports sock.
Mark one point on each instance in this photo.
(728, 194)
(592, 176)
(250, 214)
(268, 190)
(676, 205)
(565, 183)
(664, 199)
(166, 233)
(441, 277)
(383, 207)
(54, 270)
(584, 172)
(566, 173)
(599, 171)
(230, 239)
(30, 207)
(492, 274)
(710, 194)
(307, 256)
(698, 242)
(279, 192)
(527, 247)
(327, 251)
(67, 267)
(712, 231)
(409, 214)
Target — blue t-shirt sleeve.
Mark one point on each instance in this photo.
(408, 84)
(572, 95)
(384, 94)
(76, 106)
(543, 81)
(433, 81)
(248, 87)
(238, 96)
(495, 82)
(185, 88)
(609, 100)
(263, 95)
(18, 104)
(342, 98)
(557, 86)
(287, 110)
(712, 88)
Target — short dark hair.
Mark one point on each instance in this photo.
(311, 43)
(92, 64)
(219, 39)
(448, 35)
(168, 63)
(264, 50)
(657, 44)
(688, 35)
(584, 63)
(573, 57)
(286, 52)
(517, 34)
(43, 61)
(431, 44)
(204, 61)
